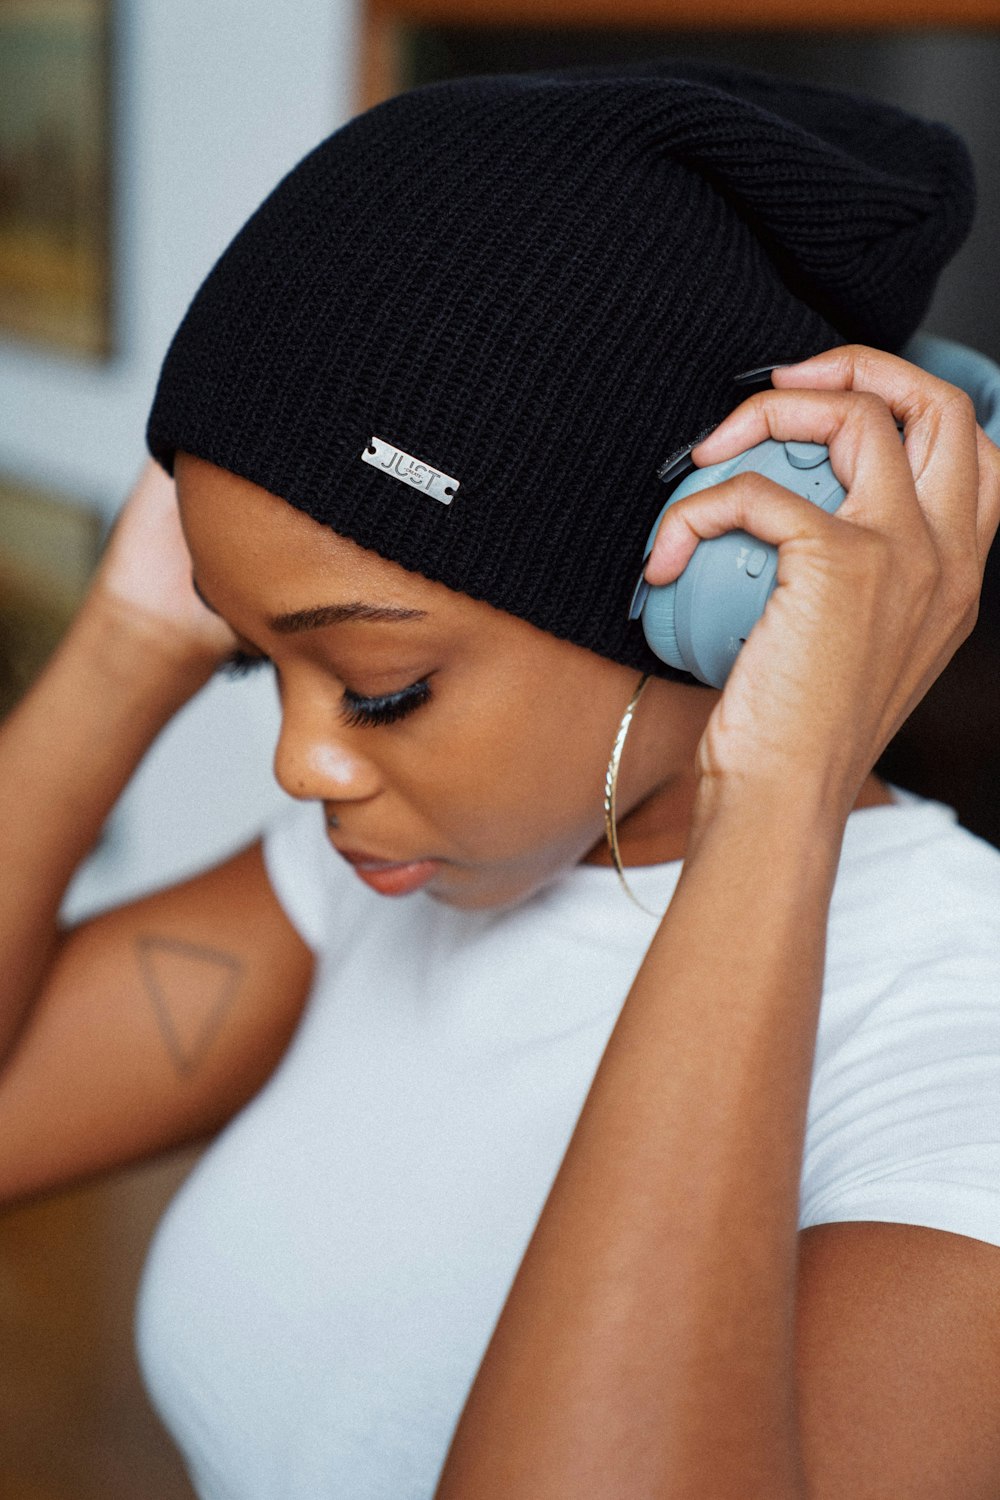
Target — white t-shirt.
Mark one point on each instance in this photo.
(321, 1291)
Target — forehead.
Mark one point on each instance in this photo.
(244, 542)
(256, 558)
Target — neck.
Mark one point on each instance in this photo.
(656, 830)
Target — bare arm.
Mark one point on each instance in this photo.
(149, 1025)
(155, 1023)
(648, 1345)
(66, 753)
(141, 646)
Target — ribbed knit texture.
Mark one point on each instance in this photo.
(542, 285)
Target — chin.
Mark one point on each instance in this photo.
(479, 900)
(498, 894)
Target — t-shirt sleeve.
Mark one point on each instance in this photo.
(320, 895)
(905, 1110)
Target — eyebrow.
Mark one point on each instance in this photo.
(335, 614)
(329, 614)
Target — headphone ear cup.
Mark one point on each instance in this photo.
(699, 622)
(720, 597)
(657, 605)
(659, 622)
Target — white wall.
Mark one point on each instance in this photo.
(216, 99)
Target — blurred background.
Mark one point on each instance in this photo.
(135, 138)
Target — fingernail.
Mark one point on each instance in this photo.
(759, 375)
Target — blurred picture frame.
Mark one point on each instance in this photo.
(55, 174)
(49, 547)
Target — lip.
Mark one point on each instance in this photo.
(390, 877)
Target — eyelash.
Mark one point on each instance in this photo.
(241, 664)
(356, 710)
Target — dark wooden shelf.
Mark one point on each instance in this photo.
(384, 22)
(803, 15)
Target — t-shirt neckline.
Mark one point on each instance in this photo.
(869, 830)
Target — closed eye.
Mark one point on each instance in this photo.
(387, 709)
(356, 708)
(240, 663)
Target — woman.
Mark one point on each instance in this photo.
(733, 1241)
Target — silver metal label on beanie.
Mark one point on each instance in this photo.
(413, 471)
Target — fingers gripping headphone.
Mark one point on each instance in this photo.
(699, 622)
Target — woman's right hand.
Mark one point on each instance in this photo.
(872, 601)
(146, 568)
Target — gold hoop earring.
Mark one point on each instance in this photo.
(611, 794)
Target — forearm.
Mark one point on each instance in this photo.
(66, 753)
(646, 1348)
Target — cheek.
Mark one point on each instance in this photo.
(516, 783)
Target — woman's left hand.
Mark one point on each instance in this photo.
(871, 603)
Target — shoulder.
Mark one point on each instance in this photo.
(902, 1122)
(913, 881)
(914, 938)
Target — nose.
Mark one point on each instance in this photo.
(314, 759)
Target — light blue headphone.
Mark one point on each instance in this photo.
(699, 622)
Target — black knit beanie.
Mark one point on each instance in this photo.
(531, 290)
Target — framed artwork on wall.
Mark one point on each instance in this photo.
(55, 174)
(49, 547)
